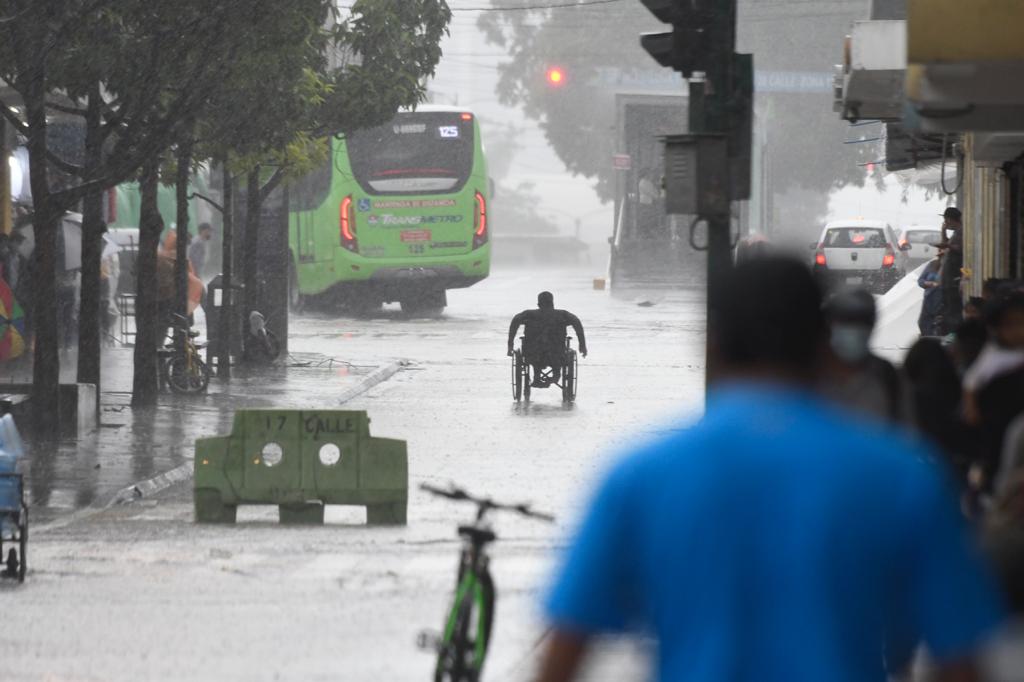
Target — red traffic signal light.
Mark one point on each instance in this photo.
(555, 76)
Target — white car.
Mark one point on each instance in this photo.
(859, 253)
(918, 242)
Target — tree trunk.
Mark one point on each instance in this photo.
(253, 286)
(91, 310)
(147, 323)
(46, 221)
(275, 262)
(253, 204)
(181, 192)
(227, 272)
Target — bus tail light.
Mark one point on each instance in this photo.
(480, 222)
(346, 225)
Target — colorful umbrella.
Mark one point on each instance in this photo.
(12, 324)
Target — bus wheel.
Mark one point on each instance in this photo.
(425, 304)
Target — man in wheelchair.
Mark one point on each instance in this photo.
(544, 338)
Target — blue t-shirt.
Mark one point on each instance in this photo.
(778, 539)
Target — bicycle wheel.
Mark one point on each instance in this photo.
(517, 376)
(569, 377)
(486, 604)
(467, 632)
(186, 377)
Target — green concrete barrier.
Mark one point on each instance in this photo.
(301, 460)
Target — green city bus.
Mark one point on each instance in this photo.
(396, 213)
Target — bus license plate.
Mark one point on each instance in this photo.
(415, 236)
(854, 280)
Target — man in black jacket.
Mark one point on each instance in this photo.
(544, 345)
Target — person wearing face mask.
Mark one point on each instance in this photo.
(856, 377)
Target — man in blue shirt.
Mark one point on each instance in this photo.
(778, 538)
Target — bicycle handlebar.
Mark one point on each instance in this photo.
(485, 503)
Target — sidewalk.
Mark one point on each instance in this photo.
(131, 446)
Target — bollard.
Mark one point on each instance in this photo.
(301, 460)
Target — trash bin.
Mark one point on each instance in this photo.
(217, 305)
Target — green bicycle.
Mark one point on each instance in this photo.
(462, 646)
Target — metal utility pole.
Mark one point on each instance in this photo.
(5, 181)
(227, 281)
(701, 46)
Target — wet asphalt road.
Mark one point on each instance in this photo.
(139, 591)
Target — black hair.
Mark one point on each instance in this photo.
(766, 312)
(969, 338)
(992, 285)
(857, 307)
(927, 362)
(545, 299)
(976, 301)
(204, 226)
(1002, 304)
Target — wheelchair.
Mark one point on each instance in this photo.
(565, 376)
(13, 526)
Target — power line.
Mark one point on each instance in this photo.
(528, 8)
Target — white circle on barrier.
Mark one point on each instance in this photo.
(330, 454)
(272, 454)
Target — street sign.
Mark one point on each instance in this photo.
(664, 80)
(622, 162)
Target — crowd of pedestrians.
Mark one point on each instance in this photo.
(830, 517)
(16, 251)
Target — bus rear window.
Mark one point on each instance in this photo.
(416, 153)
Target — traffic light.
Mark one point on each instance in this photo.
(555, 76)
(685, 47)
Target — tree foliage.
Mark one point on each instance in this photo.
(256, 81)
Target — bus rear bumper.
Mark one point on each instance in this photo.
(434, 277)
(392, 285)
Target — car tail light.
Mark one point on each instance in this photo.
(480, 222)
(819, 257)
(889, 259)
(346, 225)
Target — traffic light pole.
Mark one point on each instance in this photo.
(701, 46)
(708, 113)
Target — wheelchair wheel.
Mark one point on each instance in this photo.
(569, 377)
(23, 544)
(517, 376)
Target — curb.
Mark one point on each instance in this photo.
(372, 379)
(151, 486)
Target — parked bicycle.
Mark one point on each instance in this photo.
(462, 646)
(181, 366)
